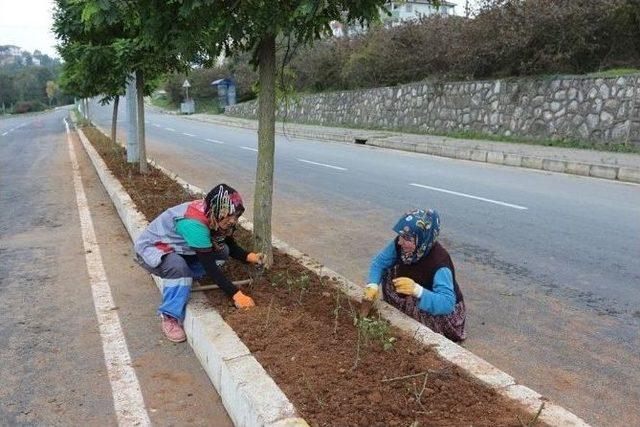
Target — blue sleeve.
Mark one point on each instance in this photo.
(384, 260)
(442, 300)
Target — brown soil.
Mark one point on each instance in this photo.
(302, 331)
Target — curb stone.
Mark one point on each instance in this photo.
(474, 366)
(384, 140)
(224, 357)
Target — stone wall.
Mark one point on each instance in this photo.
(604, 110)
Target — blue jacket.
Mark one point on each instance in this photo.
(440, 301)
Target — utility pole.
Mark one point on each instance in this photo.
(132, 120)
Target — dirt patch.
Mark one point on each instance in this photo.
(303, 332)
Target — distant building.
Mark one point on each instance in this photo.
(401, 11)
(416, 9)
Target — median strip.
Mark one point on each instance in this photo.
(303, 315)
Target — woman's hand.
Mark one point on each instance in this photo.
(256, 258)
(371, 292)
(407, 286)
(243, 301)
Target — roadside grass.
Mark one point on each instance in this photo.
(163, 102)
(548, 142)
(204, 106)
(615, 72)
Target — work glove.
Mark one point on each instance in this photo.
(243, 301)
(256, 258)
(371, 292)
(407, 286)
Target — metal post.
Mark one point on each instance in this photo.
(133, 153)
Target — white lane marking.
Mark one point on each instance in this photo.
(188, 134)
(127, 396)
(155, 125)
(442, 190)
(170, 130)
(322, 164)
(214, 140)
(249, 148)
(6, 133)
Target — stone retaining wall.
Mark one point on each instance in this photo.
(604, 110)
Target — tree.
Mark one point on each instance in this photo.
(257, 27)
(51, 89)
(111, 33)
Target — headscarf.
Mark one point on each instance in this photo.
(222, 201)
(422, 224)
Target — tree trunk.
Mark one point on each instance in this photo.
(132, 121)
(266, 147)
(86, 109)
(144, 168)
(114, 119)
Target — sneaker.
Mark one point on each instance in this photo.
(172, 329)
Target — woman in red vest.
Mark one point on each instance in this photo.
(418, 277)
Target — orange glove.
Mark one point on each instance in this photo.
(243, 301)
(255, 258)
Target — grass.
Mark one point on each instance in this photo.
(163, 102)
(204, 106)
(615, 72)
(565, 142)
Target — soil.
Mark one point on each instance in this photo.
(303, 332)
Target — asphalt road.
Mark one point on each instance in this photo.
(56, 368)
(548, 262)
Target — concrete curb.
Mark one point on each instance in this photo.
(386, 140)
(226, 360)
(475, 366)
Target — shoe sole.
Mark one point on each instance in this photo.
(176, 341)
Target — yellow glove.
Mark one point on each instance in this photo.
(255, 258)
(371, 292)
(243, 301)
(407, 286)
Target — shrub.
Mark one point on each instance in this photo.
(28, 106)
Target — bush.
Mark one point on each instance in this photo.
(201, 79)
(506, 38)
(28, 107)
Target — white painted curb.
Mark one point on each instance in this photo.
(249, 394)
(475, 366)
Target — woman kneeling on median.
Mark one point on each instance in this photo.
(418, 276)
(187, 241)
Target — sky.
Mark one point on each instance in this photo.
(27, 24)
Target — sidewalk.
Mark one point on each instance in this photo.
(598, 164)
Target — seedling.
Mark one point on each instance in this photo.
(278, 278)
(301, 284)
(336, 311)
(371, 330)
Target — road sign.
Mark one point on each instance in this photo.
(186, 83)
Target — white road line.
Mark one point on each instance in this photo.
(6, 133)
(322, 164)
(170, 130)
(127, 396)
(249, 148)
(155, 125)
(214, 140)
(188, 134)
(442, 190)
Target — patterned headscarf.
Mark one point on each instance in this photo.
(422, 224)
(221, 201)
